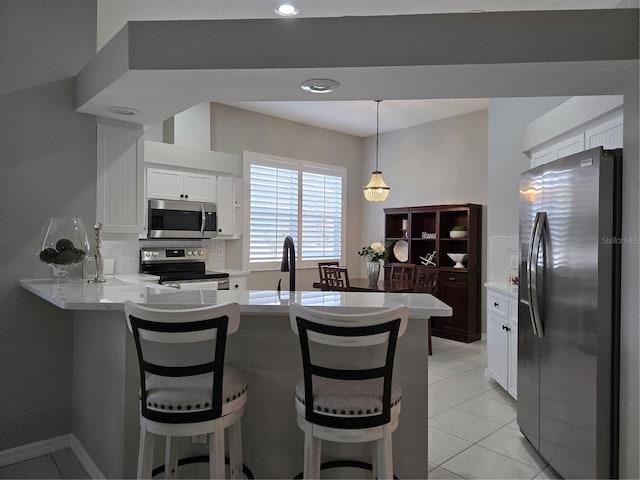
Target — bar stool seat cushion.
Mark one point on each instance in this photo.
(348, 398)
(191, 394)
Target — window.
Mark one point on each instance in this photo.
(292, 197)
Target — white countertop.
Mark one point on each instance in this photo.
(80, 294)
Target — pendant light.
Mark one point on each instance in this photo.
(376, 190)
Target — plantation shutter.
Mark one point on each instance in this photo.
(273, 211)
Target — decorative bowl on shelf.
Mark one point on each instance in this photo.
(458, 258)
(63, 243)
(458, 234)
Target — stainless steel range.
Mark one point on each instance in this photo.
(182, 268)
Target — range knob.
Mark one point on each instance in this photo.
(155, 254)
(200, 252)
(147, 254)
(188, 253)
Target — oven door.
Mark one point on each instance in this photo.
(181, 219)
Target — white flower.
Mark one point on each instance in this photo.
(377, 247)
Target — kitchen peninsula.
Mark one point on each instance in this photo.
(105, 418)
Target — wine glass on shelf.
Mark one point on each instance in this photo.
(63, 243)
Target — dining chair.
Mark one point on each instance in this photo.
(321, 266)
(352, 402)
(404, 272)
(336, 278)
(426, 281)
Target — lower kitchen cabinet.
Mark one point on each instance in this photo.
(457, 289)
(237, 281)
(502, 338)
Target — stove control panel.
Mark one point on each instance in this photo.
(149, 255)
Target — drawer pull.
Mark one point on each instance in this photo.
(452, 278)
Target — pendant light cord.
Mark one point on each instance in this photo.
(377, 129)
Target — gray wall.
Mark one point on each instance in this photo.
(507, 119)
(430, 164)
(234, 130)
(47, 168)
(630, 302)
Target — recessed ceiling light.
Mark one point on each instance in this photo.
(320, 85)
(126, 111)
(286, 9)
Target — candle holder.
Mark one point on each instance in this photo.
(98, 256)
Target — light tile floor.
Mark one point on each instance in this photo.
(473, 431)
(62, 464)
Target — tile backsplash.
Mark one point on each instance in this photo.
(502, 251)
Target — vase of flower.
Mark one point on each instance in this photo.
(373, 271)
(373, 253)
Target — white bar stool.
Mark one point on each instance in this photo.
(348, 404)
(185, 387)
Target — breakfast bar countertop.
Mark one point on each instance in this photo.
(80, 294)
(105, 369)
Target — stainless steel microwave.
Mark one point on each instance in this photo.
(181, 219)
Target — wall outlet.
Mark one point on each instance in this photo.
(514, 261)
(199, 438)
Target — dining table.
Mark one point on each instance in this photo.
(383, 285)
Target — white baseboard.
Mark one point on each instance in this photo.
(47, 447)
(33, 450)
(84, 458)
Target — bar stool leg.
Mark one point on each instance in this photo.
(145, 453)
(170, 459)
(374, 458)
(385, 456)
(312, 446)
(216, 450)
(235, 450)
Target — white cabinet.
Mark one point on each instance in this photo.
(502, 338)
(605, 132)
(229, 214)
(120, 177)
(180, 185)
(237, 282)
(225, 206)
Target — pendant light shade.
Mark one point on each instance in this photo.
(376, 190)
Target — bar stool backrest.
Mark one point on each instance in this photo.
(182, 343)
(348, 330)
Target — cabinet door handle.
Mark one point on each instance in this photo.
(186, 196)
(452, 278)
(496, 304)
(181, 195)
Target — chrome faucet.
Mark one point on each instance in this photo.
(289, 264)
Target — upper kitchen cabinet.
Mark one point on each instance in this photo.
(179, 185)
(579, 124)
(120, 177)
(176, 172)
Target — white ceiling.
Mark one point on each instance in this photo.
(355, 117)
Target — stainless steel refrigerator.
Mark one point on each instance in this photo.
(568, 312)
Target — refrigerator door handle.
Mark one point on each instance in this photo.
(537, 234)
